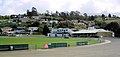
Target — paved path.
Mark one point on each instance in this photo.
(108, 50)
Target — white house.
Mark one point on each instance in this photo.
(74, 21)
(60, 32)
(35, 17)
(33, 28)
(6, 29)
(44, 20)
(53, 21)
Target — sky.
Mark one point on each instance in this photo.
(8, 7)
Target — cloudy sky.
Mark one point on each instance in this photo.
(8, 7)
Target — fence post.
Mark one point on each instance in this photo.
(35, 46)
(11, 48)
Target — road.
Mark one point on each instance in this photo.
(107, 50)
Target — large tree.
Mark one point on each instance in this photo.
(41, 26)
(63, 15)
(109, 15)
(66, 24)
(85, 14)
(117, 33)
(103, 16)
(113, 26)
(91, 18)
(100, 24)
(0, 30)
(33, 13)
(45, 30)
(34, 24)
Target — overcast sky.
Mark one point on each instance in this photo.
(8, 7)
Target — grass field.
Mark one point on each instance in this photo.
(39, 42)
(116, 20)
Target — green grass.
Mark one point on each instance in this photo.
(39, 42)
(116, 20)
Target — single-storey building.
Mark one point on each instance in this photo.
(33, 29)
(91, 32)
(35, 17)
(60, 32)
(53, 21)
(6, 29)
(19, 30)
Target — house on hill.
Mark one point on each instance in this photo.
(6, 29)
(33, 30)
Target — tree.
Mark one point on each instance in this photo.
(114, 16)
(63, 15)
(77, 15)
(54, 25)
(101, 24)
(41, 26)
(77, 12)
(62, 25)
(109, 15)
(113, 26)
(34, 24)
(74, 14)
(91, 18)
(85, 14)
(57, 13)
(13, 16)
(103, 16)
(29, 14)
(117, 33)
(45, 30)
(47, 13)
(65, 24)
(33, 13)
(6, 17)
(13, 27)
(0, 30)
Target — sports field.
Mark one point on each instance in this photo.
(36, 43)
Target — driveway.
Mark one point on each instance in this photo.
(107, 50)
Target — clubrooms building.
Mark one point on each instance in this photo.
(92, 32)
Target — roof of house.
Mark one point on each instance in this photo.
(33, 28)
(6, 28)
(90, 31)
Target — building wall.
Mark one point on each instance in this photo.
(57, 35)
(84, 35)
(60, 32)
(104, 34)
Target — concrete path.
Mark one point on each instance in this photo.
(106, 50)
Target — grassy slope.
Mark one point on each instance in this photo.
(39, 42)
(116, 20)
